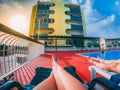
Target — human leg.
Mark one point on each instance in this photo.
(67, 80)
(48, 84)
(105, 66)
(111, 66)
(108, 61)
(60, 80)
(101, 60)
(115, 67)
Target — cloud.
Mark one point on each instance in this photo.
(9, 4)
(117, 3)
(106, 21)
(74, 1)
(103, 28)
(5, 6)
(117, 7)
(87, 7)
(98, 25)
(44, 0)
(80, 1)
(91, 15)
(9, 8)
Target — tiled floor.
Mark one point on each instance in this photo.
(26, 73)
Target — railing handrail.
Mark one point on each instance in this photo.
(8, 73)
(16, 49)
(8, 30)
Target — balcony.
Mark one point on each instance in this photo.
(73, 13)
(44, 30)
(21, 55)
(45, 4)
(72, 5)
(16, 49)
(74, 32)
(74, 22)
(46, 12)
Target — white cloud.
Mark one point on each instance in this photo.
(97, 25)
(74, 1)
(117, 3)
(80, 1)
(106, 21)
(103, 28)
(44, 0)
(16, 4)
(87, 7)
(117, 7)
(10, 5)
(5, 6)
(91, 15)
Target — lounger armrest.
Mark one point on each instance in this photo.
(11, 84)
(104, 82)
(94, 70)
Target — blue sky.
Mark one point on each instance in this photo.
(102, 16)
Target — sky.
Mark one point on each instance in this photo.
(102, 16)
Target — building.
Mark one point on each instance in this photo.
(57, 18)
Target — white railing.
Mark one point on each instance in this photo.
(16, 49)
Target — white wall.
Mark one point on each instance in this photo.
(35, 50)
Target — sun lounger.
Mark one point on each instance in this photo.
(109, 75)
(94, 70)
(42, 73)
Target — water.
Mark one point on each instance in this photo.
(108, 55)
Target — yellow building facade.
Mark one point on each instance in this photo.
(56, 18)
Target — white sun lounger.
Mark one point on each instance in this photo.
(94, 70)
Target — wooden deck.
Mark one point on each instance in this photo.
(26, 73)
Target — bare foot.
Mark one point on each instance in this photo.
(54, 63)
(90, 60)
(100, 60)
(54, 58)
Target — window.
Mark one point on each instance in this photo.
(46, 20)
(46, 11)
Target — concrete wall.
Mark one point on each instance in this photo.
(35, 50)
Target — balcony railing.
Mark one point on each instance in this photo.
(16, 49)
